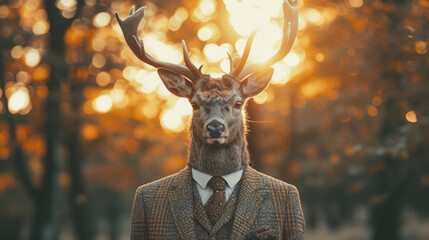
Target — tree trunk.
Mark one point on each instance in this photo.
(47, 204)
(389, 182)
(387, 214)
(78, 196)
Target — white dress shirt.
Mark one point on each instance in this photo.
(205, 192)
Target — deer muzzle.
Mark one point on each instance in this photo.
(215, 132)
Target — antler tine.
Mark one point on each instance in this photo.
(290, 29)
(235, 72)
(231, 64)
(188, 62)
(129, 28)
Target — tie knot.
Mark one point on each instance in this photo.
(217, 183)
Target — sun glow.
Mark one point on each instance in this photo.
(265, 17)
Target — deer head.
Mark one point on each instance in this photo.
(218, 125)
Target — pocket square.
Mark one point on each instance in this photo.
(261, 233)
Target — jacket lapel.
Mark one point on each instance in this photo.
(200, 213)
(181, 202)
(249, 199)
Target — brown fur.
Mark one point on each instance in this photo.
(222, 159)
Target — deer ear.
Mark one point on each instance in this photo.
(175, 83)
(255, 83)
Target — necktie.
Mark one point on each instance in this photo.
(217, 201)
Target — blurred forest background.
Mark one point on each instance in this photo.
(83, 122)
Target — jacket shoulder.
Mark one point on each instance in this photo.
(162, 184)
(274, 183)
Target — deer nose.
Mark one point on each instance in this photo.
(215, 128)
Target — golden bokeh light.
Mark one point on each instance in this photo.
(32, 57)
(118, 97)
(162, 91)
(265, 41)
(172, 120)
(98, 60)
(245, 16)
(18, 101)
(377, 101)
(103, 103)
(281, 73)
(292, 59)
(183, 107)
(23, 77)
(319, 57)
(240, 44)
(102, 79)
(411, 116)
(182, 13)
(208, 7)
(204, 11)
(149, 81)
(42, 91)
(98, 44)
(261, 98)
(205, 33)
(313, 16)
(314, 88)
(174, 23)
(150, 111)
(156, 46)
(89, 131)
(40, 73)
(356, 3)
(40, 28)
(372, 111)
(4, 11)
(101, 19)
(213, 52)
(224, 65)
(129, 73)
(421, 47)
(17, 52)
(68, 5)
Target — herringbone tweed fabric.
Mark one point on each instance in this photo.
(165, 209)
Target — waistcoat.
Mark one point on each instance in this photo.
(223, 227)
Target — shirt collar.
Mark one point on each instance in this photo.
(203, 178)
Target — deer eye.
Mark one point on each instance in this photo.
(195, 105)
(238, 104)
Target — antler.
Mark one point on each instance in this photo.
(129, 28)
(290, 29)
(236, 71)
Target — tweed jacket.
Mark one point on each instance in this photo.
(164, 209)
